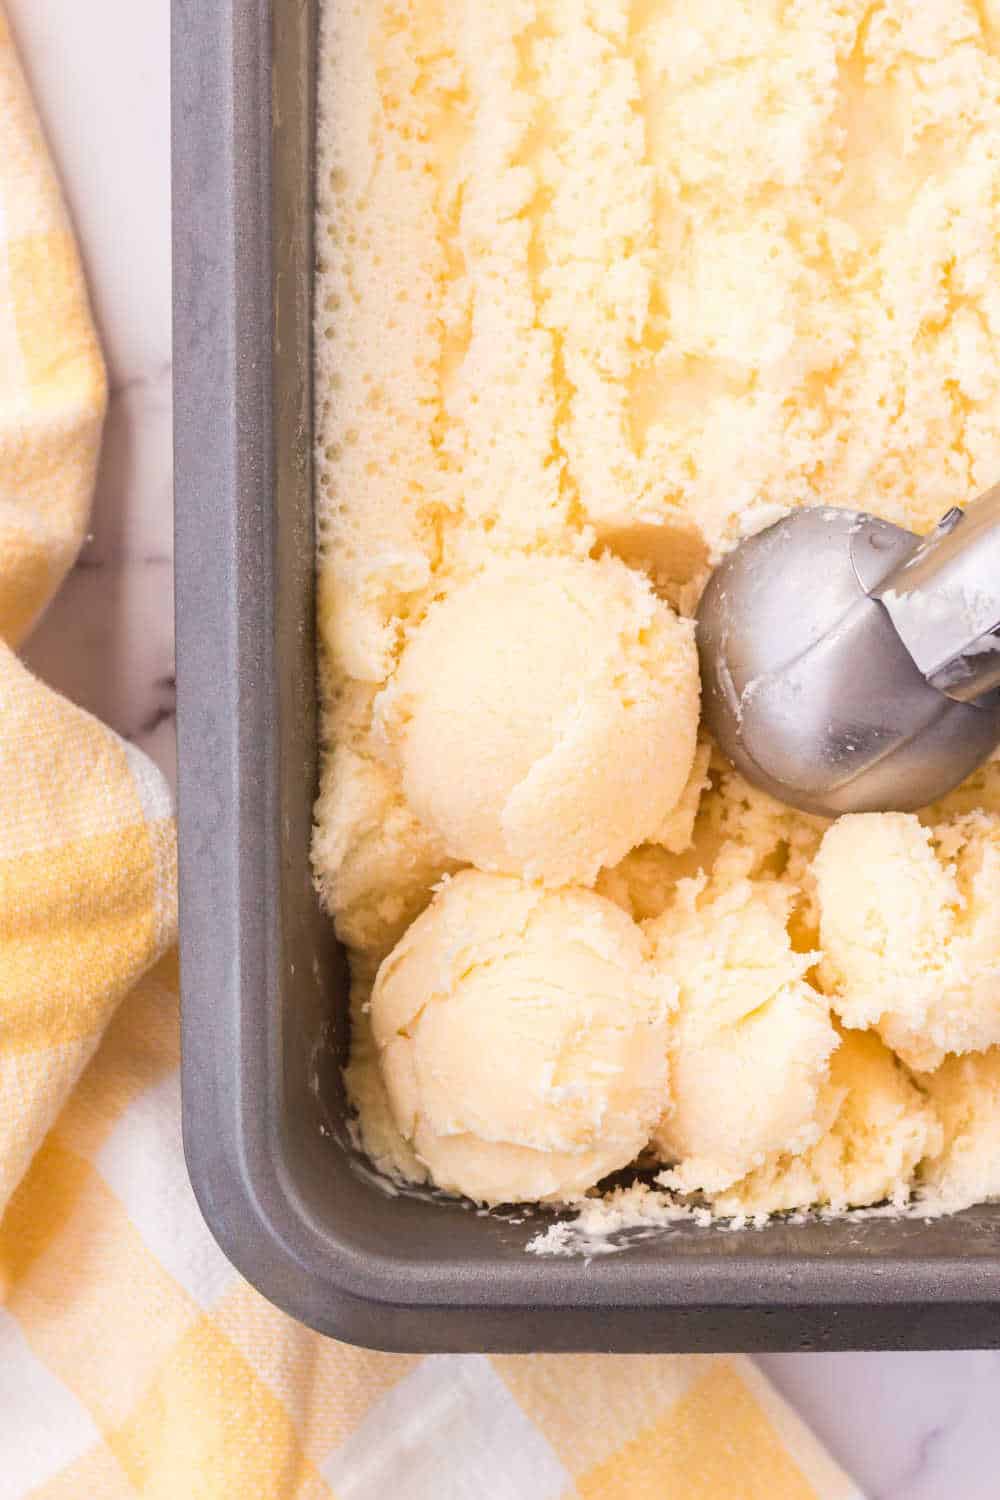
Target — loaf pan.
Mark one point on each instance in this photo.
(264, 992)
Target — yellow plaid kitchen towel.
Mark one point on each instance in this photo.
(133, 1359)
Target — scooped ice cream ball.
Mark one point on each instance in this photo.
(544, 716)
(751, 1040)
(910, 930)
(522, 1039)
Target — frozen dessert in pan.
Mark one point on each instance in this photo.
(544, 717)
(751, 1040)
(910, 931)
(522, 1036)
(875, 1128)
(602, 289)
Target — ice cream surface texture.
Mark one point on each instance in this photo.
(523, 1039)
(910, 930)
(603, 286)
(874, 1128)
(544, 717)
(751, 1042)
(965, 1167)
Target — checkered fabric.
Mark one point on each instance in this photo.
(133, 1359)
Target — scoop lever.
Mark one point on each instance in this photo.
(945, 602)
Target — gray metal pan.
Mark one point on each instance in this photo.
(263, 983)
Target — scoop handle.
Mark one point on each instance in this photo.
(944, 601)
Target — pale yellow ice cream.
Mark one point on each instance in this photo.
(620, 280)
(910, 930)
(377, 863)
(750, 1041)
(544, 717)
(876, 1127)
(378, 1134)
(522, 1037)
(777, 843)
(965, 1167)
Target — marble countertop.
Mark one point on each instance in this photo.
(907, 1426)
(101, 79)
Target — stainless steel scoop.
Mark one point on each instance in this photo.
(851, 666)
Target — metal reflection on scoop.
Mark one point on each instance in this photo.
(851, 666)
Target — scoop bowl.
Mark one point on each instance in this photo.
(807, 684)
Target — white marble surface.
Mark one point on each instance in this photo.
(908, 1427)
(101, 78)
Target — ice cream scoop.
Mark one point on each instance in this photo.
(851, 666)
